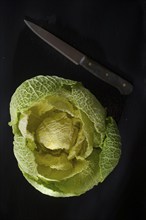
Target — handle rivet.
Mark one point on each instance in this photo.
(89, 63)
(124, 84)
(107, 74)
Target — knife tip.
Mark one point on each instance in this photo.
(28, 23)
(25, 21)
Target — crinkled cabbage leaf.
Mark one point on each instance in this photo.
(63, 140)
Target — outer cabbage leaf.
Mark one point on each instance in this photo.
(63, 141)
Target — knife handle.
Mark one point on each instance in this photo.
(106, 75)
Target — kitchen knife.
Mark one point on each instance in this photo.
(79, 58)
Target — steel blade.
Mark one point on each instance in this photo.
(65, 49)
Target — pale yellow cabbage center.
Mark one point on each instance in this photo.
(59, 131)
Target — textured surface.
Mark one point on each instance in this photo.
(64, 142)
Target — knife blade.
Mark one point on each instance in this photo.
(79, 58)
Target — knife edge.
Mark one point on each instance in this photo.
(62, 47)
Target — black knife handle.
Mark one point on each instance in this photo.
(106, 75)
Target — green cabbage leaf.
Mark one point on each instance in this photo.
(64, 142)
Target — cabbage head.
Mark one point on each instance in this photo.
(64, 142)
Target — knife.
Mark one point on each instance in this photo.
(78, 58)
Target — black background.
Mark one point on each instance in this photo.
(110, 32)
